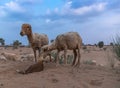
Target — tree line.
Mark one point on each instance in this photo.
(15, 43)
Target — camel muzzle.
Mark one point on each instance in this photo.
(21, 33)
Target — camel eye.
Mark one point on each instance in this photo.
(27, 27)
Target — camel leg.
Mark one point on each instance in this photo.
(65, 57)
(79, 57)
(75, 56)
(35, 55)
(50, 57)
(39, 50)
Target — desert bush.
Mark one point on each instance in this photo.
(54, 55)
(89, 62)
(16, 44)
(116, 47)
(100, 44)
(95, 45)
(111, 62)
(84, 47)
(111, 44)
(2, 41)
(105, 48)
(52, 40)
(86, 50)
(70, 59)
(110, 59)
(61, 60)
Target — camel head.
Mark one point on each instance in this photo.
(25, 29)
(50, 47)
(45, 48)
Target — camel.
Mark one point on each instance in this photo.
(69, 40)
(36, 40)
(37, 67)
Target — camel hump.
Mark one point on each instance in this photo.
(41, 38)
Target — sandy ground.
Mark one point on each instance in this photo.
(62, 76)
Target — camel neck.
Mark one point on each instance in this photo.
(30, 37)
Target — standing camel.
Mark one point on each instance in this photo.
(36, 40)
(69, 40)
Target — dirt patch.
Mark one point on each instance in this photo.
(62, 76)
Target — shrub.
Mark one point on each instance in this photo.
(111, 59)
(111, 44)
(84, 47)
(52, 40)
(89, 62)
(16, 43)
(95, 45)
(2, 41)
(116, 47)
(70, 59)
(61, 60)
(100, 44)
(105, 48)
(54, 55)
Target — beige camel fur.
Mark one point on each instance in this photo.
(69, 40)
(36, 41)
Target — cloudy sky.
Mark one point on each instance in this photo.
(94, 20)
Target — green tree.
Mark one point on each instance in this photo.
(111, 44)
(52, 40)
(100, 44)
(2, 41)
(16, 44)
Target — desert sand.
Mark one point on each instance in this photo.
(99, 75)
